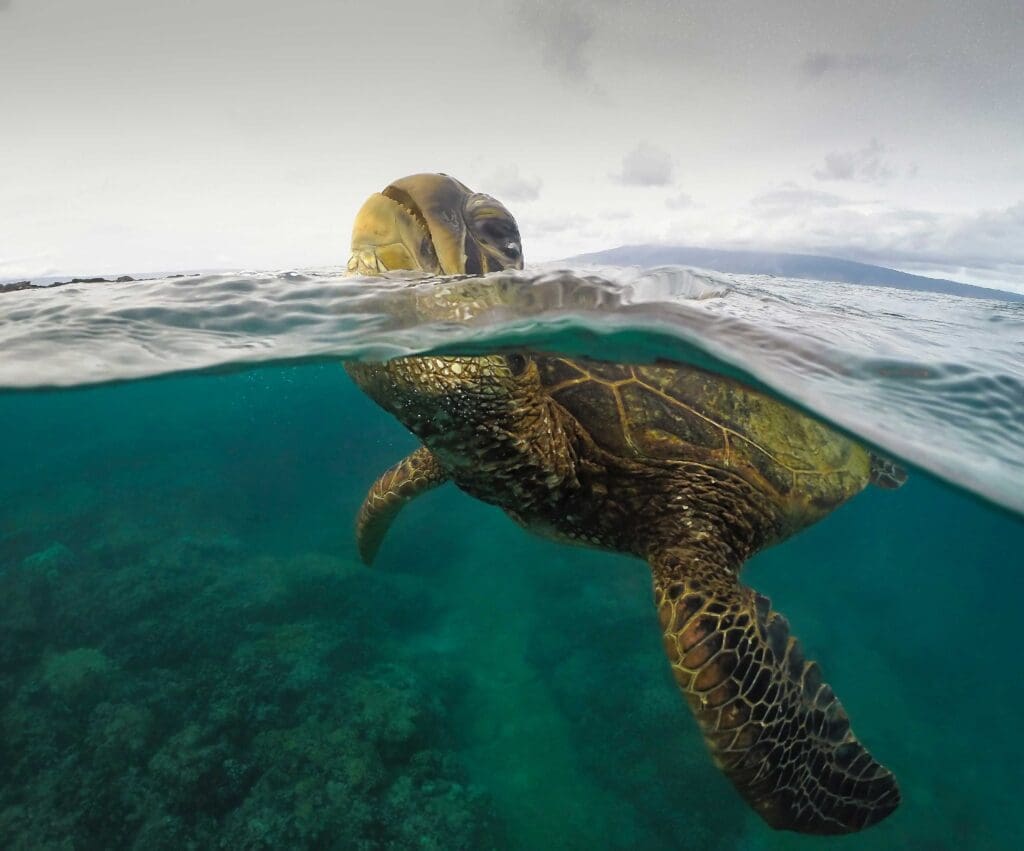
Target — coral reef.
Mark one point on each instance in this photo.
(189, 658)
(190, 695)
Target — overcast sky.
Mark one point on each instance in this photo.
(141, 136)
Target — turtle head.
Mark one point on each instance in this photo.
(433, 223)
(468, 410)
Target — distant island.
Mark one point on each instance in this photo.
(808, 266)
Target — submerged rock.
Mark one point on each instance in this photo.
(51, 562)
(26, 594)
(77, 674)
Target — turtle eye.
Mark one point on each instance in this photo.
(516, 364)
(495, 230)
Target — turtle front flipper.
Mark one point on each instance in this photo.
(417, 473)
(773, 726)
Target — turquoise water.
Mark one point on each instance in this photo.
(191, 654)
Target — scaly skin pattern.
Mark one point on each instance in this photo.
(687, 469)
(773, 725)
(696, 497)
(667, 414)
(413, 475)
(494, 436)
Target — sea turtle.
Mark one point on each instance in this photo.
(690, 470)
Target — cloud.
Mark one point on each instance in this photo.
(819, 64)
(682, 201)
(996, 234)
(5, 5)
(545, 225)
(507, 184)
(790, 197)
(865, 165)
(646, 165)
(990, 240)
(27, 267)
(986, 241)
(562, 32)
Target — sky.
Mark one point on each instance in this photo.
(141, 136)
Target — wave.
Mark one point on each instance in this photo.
(935, 379)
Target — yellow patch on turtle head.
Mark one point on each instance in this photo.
(433, 223)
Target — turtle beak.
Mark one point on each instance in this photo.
(432, 223)
(388, 235)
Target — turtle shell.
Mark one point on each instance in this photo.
(668, 414)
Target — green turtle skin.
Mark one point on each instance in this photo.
(689, 470)
(408, 479)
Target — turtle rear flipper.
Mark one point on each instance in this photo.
(415, 474)
(773, 725)
(886, 473)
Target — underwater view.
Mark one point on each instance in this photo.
(641, 471)
(194, 655)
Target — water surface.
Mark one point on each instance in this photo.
(191, 655)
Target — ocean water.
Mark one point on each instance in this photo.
(192, 656)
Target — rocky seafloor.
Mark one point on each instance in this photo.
(188, 695)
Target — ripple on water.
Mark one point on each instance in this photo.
(934, 379)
